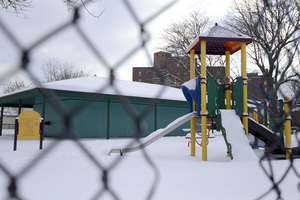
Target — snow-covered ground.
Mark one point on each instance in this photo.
(65, 172)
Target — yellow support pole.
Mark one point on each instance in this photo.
(227, 74)
(287, 129)
(203, 100)
(227, 84)
(268, 120)
(255, 115)
(193, 120)
(244, 75)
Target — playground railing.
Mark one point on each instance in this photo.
(275, 112)
(267, 98)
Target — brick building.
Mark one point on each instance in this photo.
(174, 69)
(260, 81)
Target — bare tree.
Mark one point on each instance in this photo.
(13, 85)
(54, 70)
(274, 27)
(72, 3)
(179, 35)
(22, 7)
(18, 7)
(10, 86)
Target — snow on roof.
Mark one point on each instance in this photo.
(221, 32)
(101, 85)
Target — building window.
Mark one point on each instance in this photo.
(265, 82)
(266, 89)
(185, 74)
(218, 72)
(177, 65)
(140, 73)
(140, 80)
(177, 74)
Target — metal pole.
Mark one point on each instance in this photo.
(227, 83)
(41, 133)
(193, 120)
(244, 75)
(2, 108)
(281, 119)
(16, 133)
(267, 113)
(20, 107)
(287, 128)
(203, 100)
(255, 115)
(43, 115)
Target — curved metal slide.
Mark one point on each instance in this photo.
(155, 135)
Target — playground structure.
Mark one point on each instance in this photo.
(207, 98)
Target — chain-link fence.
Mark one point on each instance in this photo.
(68, 115)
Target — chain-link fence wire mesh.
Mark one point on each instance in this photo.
(68, 115)
(289, 11)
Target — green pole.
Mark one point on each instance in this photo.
(44, 114)
(108, 113)
(19, 112)
(44, 108)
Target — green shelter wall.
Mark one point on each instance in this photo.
(55, 129)
(121, 124)
(168, 113)
(107, 117)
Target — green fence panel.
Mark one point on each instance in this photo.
(212, 95)
(221, 97)
(237, 95)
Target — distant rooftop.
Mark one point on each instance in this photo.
(98, 85)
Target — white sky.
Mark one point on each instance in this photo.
(114, 33)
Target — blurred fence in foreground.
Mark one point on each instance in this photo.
(25, 62)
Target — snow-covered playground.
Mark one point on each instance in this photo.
(65, 172)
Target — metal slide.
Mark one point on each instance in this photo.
(261, 132)
(144, 142)
(267, 136)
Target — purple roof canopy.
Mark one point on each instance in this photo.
(218, 40)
